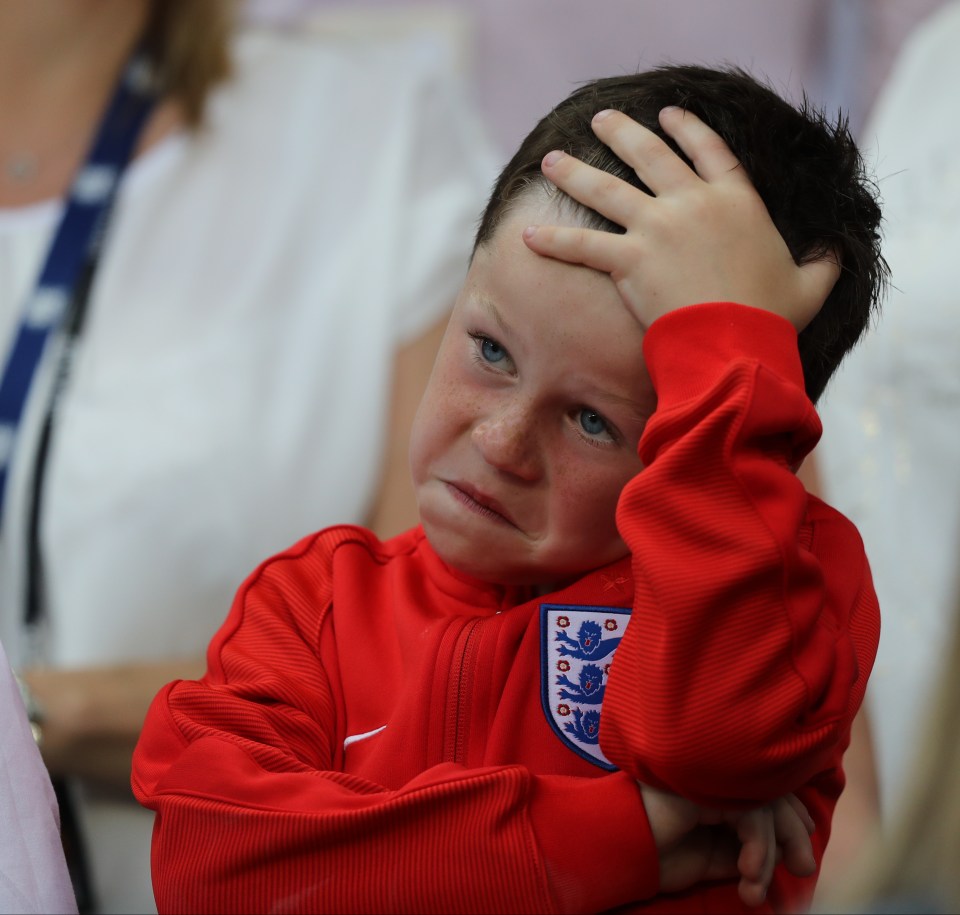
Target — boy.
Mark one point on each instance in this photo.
(618, 578)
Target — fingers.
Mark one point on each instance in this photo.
(780, 831)
(818, 278)
(655, 163)
(711, 157)
(755, 830)
(801, 811)
(794, 826)
(594, 187)
(704, 236)
(698, 844)
(589, 247)
(616, 199)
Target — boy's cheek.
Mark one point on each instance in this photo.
(419, 438)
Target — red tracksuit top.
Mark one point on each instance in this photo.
(378, 733)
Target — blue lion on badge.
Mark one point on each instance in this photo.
(589, 690)
(589, 644)
(586, 728)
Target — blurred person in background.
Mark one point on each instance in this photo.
(891, 417)
(188, 364)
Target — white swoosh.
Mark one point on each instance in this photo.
(354, 738)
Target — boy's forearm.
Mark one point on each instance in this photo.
(233, 835)
(746, 657)
(254, 812)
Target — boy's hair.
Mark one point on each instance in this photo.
(807, 170)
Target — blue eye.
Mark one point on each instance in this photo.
(592, 422)
(491, 350)
(490, 355)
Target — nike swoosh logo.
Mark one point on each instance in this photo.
(356, 738)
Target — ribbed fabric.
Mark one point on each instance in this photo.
(754, 628)
(747, 635)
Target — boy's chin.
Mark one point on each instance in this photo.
(484, 564)
(490, 567)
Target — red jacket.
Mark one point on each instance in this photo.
(378, 733)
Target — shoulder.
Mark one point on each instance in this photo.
(326, 106)
(331, 72)
(310, 562)
(832, 531)
(294, 590)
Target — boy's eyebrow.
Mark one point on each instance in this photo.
(637, 408)
(488, 304)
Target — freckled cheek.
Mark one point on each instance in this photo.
(585, 496)
(575, 484)
(447, 413)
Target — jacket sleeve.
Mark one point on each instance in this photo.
(755, 622)
(253, 816)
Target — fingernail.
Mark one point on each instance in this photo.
(602, 115)
(529, 231)
(552, 158)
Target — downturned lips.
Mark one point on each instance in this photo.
(479, 502)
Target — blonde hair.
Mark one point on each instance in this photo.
(918, 858)
(189, 45)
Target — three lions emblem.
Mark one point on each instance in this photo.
(577, 647)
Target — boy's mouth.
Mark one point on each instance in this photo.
(479, 502)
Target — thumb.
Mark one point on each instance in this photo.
(817, 279)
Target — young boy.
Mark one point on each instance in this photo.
(618, 662)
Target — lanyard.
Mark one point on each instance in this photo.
(58, 300)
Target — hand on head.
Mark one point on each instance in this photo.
(705, 236)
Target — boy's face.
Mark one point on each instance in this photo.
(529, 426)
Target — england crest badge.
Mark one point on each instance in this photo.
(577, 645)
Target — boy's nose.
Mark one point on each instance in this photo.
(508, 442)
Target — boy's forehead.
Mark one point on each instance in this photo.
(515, 262)
(567, 313)
(541, 205)
(508, 268)
(504, 270)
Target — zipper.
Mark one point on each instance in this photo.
(463, 667)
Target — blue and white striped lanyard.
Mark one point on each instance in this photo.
(59, 296)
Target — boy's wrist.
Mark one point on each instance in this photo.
(603, 855)
(688, 350)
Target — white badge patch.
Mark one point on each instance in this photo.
(577, 645)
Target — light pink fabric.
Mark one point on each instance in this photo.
(524, 57)
(33, 872)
